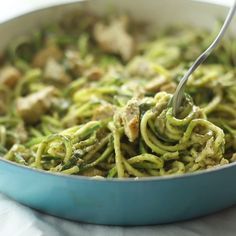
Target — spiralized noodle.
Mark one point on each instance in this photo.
(73, 100)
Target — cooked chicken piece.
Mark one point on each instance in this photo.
(74, 62)
(33, 106)
(103, 112)
(9, 76)
(114, 38)
(43, 55)
(94, 73)
(130, 119)
(55, 72)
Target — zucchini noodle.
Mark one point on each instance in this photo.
(89, 96)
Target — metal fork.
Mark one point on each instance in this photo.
(179, 92)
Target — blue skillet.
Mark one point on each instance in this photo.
(128, 201)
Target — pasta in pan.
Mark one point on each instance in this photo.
(90, 96)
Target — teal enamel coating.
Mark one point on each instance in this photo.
(120, 202)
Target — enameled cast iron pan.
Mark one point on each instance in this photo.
(127, 201)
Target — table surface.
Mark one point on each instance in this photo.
(19, 220)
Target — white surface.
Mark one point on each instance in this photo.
(17, 220)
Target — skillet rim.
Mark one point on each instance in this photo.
(108, 180)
